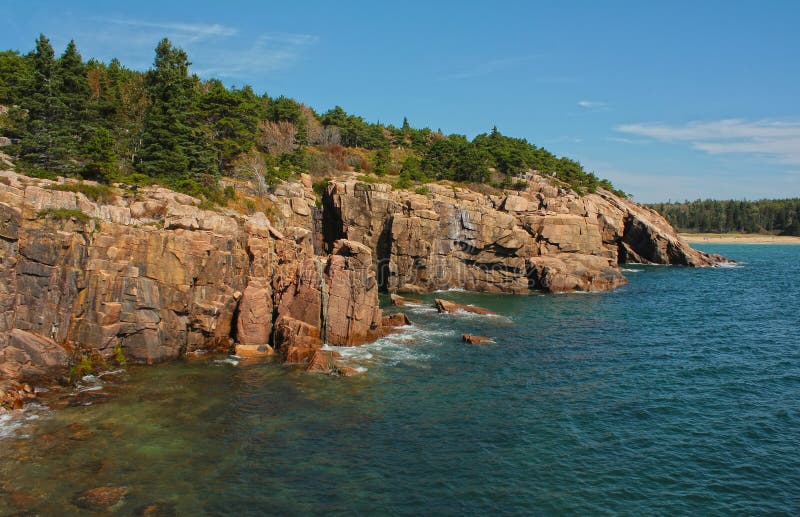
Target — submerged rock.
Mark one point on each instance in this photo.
(156, 509)
(100, 498)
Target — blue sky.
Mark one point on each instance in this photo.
(670, 100)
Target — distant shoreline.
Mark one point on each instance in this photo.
(738, 238)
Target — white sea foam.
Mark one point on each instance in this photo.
(82, 388)
(11, 421)
(232, 360)
(629, 270)
(420, 309)
(729, 265)
(8, 424)
(404, 346)
(112, 372)
(461, 313)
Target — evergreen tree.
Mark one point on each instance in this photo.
(15, 77)
(381, 161)
(173, 142)
(42, 147)
(100, 154)
(233, 116)
(74, 95)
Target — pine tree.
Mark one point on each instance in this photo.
(41, 147)
(74, 95)
(173, 142)
(100, 155)
(15, 76)
(233, 116)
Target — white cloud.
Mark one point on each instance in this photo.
(592, 106)
(779, 141)
(188, 32)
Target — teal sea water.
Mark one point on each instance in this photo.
(677, 394)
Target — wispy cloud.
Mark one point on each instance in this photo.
(189, 32)
(269, 52)
(627, 140)
(593, 105)
(779, 141)
(216, 50)
(489, 67)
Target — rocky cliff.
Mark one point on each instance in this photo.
(543, 238)
(152, 274)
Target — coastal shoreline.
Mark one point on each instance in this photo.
(737, 238)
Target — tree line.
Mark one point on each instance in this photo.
(106, 122)
(777, 216)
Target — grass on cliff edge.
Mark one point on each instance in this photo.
(63, 214)
(97, 193)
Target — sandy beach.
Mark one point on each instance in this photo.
(738, 238)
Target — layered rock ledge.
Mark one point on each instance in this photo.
(156, 276)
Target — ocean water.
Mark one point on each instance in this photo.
(677, 394)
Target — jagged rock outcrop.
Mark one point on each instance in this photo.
(152, 274)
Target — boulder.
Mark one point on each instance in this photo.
(247, 351)
(445, 306)
(296, 340)
(347, 371)
(14, 395)
(36, 349)
(475, 339)
(401, 301)
(397, 319)
(322, 361)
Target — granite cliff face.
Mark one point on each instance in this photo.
(156, 276)
(544, 238)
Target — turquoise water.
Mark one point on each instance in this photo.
(677, 394)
